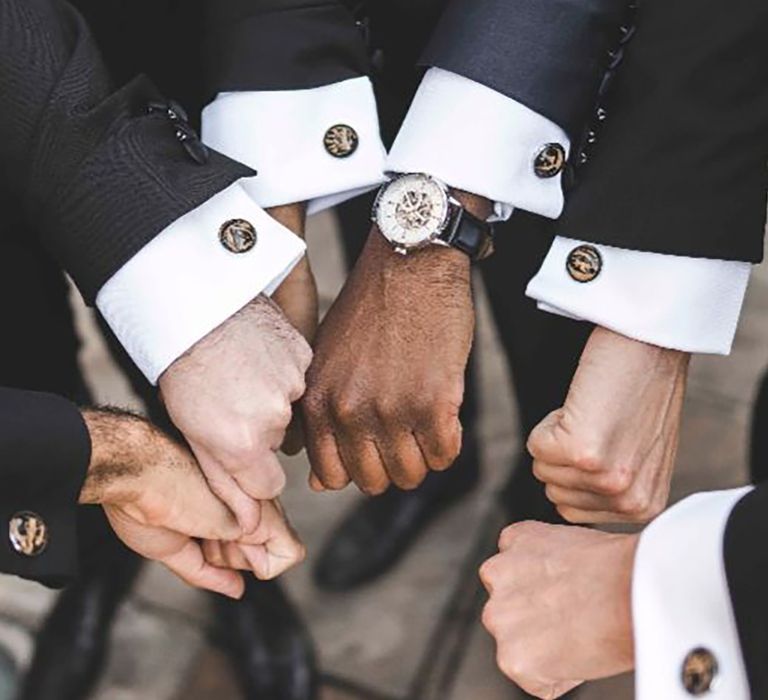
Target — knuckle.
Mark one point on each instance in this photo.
(488, 574)
(633, 503)
(616, 482)
(374, 487)
(588, 457)
(347, 409)
(488, 619)
(508, 662)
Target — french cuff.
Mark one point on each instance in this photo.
(191, 278)
(688, 304)
(685, 631)
(481, 141)
(321, 145)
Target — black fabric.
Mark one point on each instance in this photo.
(548, 54)
(99, 176)
(44, 455)
(680, 162)
(746, 568)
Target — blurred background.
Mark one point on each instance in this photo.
(413, 634)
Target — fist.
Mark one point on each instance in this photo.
(559, 607)
(387, 382)
(608, 454)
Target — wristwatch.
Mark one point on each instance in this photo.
(415, 210)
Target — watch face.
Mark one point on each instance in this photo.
(412, 210)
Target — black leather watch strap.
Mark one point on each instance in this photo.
(469, 234)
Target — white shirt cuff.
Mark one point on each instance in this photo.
(281, 134)
(689, 304)
(481, 141)
(185, 283)
(681, 602)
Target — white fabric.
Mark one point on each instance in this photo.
(281, 134)
(479, 140)
(681, 600)
(690, 304)
(184, 283)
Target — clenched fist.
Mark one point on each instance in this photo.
(608, 454)
(231, 396)
(384, 390)
(560, 606)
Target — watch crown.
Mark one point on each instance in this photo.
(401, 251)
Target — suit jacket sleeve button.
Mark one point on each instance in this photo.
(28, 534)
(699, 672)
(238, 236)
(584, 263)
(549, 161)
(341, 141)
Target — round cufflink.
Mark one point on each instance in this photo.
(584, 263)
(549, 161)
(28, 534)
(238, 236)
(699, 672)
(341, 141)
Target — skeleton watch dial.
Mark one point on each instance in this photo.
(412, 210)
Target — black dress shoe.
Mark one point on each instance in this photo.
(73, 643)
(268, 644)
(380, 530)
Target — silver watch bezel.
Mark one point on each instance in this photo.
(434, 238)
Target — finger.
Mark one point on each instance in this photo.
(264, 479)
(591, 517)
(277, 547)
(315, 484)
(440, 442)
(581, 500)
(364, 463)
(325, 460)
(565, 477)
(404, 461)
(189, 564)
(245, 509)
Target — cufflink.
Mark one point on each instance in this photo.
(28, 534)
(699, 672)
(584, 263)
(341, 141)
(238, 236)
(549, 161)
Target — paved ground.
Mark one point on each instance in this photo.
(379, 638)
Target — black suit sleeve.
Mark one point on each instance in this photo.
(679, 166)
(746, 567)
(98, 174)
(550, 55)
(281, 44)
(44, 454)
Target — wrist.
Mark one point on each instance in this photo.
(292, 216)
(478, 206)
(431, 262)
(120, 445)
(624, 565)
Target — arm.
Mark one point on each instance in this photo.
(110, 185)
(683, 603)
(694, 197)
(155, 497)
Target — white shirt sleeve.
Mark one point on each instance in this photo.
(281, 134)
(481, 141)
(185, 282)
(681, 602)
(689, 304)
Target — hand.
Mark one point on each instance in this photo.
(560, 606)
(608, 454)
(231, 397)
(298, 299)
(387, 381)
(159, 504)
